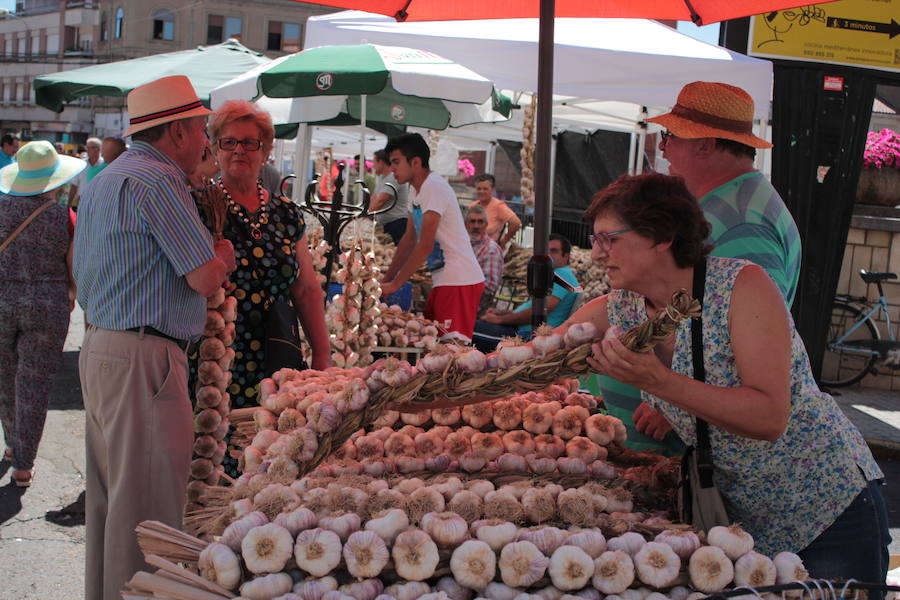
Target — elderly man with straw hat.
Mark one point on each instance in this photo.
(144, 265)
(708, 141)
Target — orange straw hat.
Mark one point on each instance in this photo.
(161, 101)
(711, 109)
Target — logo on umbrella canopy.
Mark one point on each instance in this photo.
(324, 81)
(398, 112)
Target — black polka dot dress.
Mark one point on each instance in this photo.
(264, 247)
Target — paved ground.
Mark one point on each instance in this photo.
(42, 531)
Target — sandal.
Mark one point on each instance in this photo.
(23, 481)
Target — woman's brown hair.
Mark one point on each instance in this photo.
(659, 207)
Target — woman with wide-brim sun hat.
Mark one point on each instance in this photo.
(37, 293)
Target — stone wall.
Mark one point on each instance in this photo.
(873, 243)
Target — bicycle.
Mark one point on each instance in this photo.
(854, 340)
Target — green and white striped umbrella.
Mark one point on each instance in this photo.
(342, 85)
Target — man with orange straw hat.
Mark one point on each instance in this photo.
(144, 264)
(708, 141)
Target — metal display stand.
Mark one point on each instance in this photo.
(336, 214)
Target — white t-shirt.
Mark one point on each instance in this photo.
(460, 265)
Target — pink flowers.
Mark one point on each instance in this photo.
(465, 167)
(882, 149)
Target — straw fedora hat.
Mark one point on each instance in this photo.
(38, 169)
(161, 101)
(710, 109)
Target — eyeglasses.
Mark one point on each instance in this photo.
(248, 144)
(603, 239)
(665, 135)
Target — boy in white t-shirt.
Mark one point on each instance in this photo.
(434, 231)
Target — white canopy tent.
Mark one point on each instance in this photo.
(632, 61)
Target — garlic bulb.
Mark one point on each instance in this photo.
(539, 505)
(547, 539)
(471, 361)
(218, 563)
(522, 564)
(629, 542)
(613, 572)
(317, 551)
(297, 520)
(267, 586)
(423, 501)
(446, 416)
(456, 444)
(367, 589)
(234, 533)
(507, 415)
(453, 589)
(478, 415)
(570, 568)
(710, 570)
(411, 590)
(580, 333)
(313, 588)
(552, 593)
(480, 486)
(584, 449)
(512, 351)
(343, 524)
(518, 442)
(415, 555)
(679, 592)
(600, 429)
(657, 564)
(487, 445)
(549, 445)
(502, 505)
(589, 540)
(447, 529)
(546, 341)
(388, 524)
(789, 568)
(500, 591)
(473, 564)
(587, 593)
(365, 554)
(754, 570)
(568, 422)
(267, 548)
(536, 419)
(577, 507)
(684, 543)
(495, 534)
(733, 540)
(467, 504)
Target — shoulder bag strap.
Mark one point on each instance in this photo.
(26, 223)
(704, 450)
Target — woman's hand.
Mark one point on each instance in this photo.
(650, 422)
(388, 288)
(642, 370)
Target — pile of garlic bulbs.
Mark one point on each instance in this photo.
(590, 275)
(351, 316)
(324, 554)
(319, 252)
(401, 329)
(526, 154)
(216, 357)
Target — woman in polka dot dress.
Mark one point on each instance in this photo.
(271, 251)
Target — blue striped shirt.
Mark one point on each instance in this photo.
(138, 235)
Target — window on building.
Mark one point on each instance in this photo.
(219, 28)
(163, 25)
(283, 36)
(104, 33)
(120, 23)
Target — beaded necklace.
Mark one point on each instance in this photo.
(259, 218)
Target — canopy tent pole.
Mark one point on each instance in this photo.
(302, 145)
(361, 168)
(540, 267)
(632, 142)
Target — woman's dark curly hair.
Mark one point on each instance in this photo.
(658, 207)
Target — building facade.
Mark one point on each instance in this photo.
(48, 36)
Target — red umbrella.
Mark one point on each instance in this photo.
(701, 12)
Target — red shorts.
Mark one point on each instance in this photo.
(457, 304)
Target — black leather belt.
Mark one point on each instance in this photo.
(147, 330)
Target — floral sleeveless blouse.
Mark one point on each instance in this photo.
(787, 492)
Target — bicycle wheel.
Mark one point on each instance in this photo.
(842, 366)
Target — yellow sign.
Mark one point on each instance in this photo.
(859, 33)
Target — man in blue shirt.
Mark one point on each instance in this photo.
(144, 264)
(497, 324)
(9, 145)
